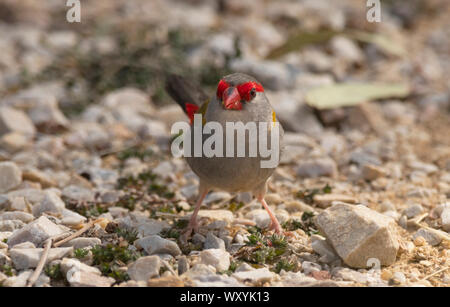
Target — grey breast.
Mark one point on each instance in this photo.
(234, 174)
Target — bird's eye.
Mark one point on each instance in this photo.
(253, 93)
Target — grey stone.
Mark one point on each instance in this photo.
(432, 238)
(11, 225)
(358, 233)
(413, 210)
(317, 167)
(78, 193)
(36, 232)
(213, 242)
(10, 176)
(145, 268)
(183, 265)
(156, 245)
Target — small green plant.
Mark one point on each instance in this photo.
(129, 235)
(233, 207)
(171, 233)
(7, 270)
(112, 253)
(308, 195)
(306, 224)
(80, 253)
(232, 268)
(283, 265)
(54, 272)
(111, 257)
(134, 152)
(262, 249)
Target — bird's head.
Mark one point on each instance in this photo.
(236, 90)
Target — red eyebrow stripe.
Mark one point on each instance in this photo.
(221, 87)
(245, 88)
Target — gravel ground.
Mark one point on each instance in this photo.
(87, 180)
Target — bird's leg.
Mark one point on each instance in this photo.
(193, 225)
(275, 225)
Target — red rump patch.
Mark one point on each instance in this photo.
(245, 88)
(190, 110)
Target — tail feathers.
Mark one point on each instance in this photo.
(187, 94)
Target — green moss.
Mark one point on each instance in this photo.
(6, 269)
(308, 195)
(111, 257)
(129, 235)
(306, 224)
(80, 253)
(283, 265)
(54, 272)
(135, 152)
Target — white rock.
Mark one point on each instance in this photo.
(218, 258)
(24, 258)
(351, 275)
(358, 233)
(216, 281)
(62, 40)
(260, 217)
(143, 225)
(145, 268)
(10, 176)
(71, 218)
(346, 49)
(445, 219)
(325, 250)
(22, 279)
(87, 279)
(308, 267)
(222, 215)
(82, 242)
(70, 265)
(156, 245)
(52, 203)
(12, 120)
(11, 225)
(216, 197)
(78, 193)
(36, 232)
(17, 215)
(255, 276)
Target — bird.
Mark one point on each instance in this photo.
(238, 98)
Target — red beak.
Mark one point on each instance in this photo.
(231, 99)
